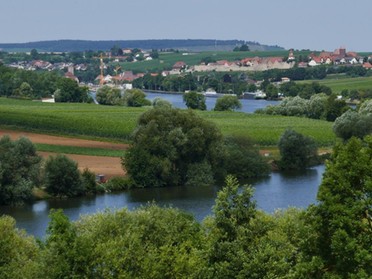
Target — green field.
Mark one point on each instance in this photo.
(339, 83)
(167, 60)
(79, 150)
(109, 123)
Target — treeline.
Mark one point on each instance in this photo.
(331, 239)
(37, 85)
(318, 72)
(82, 45)
(23, 170)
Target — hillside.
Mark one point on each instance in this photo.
(184, 44)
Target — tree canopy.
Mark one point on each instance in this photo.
(227, 102)
(167, 144)
(19, 170)
(194, 100)
(296, 150)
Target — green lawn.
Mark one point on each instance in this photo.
(339, 83)
(113, 123)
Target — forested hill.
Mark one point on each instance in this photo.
(184, 44)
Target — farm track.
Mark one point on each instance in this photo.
(109, 166)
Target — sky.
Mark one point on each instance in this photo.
(298, 24)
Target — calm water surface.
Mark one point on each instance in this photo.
(248, 106)
(280, 190)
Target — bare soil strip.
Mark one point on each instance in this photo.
(59, 140)
(108, 166)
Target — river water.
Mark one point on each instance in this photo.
(176, 100)
(279, 190)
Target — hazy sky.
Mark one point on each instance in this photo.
(299, 24)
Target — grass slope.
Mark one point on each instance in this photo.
(340, 83)
(117, 123)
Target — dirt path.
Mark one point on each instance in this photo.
(57, 140)
(109, 166)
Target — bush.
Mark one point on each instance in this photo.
(89, 181)
(296, 150)
(118, 183)
(62, 177)
(194, 100)
(19, 170)
(243, 160)
(227, 102)
(135, 98)
(166, 143)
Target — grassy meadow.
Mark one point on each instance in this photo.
(339, 83)
(113, 123)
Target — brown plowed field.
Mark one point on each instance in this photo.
(109, 166)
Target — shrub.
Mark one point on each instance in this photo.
(297, 151)
(227, 102)
(62, 177)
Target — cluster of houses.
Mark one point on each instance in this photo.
(45, 65)
(338, 57)
(246, 64)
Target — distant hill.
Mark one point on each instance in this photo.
(187, 44)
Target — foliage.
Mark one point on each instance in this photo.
(135, 98)
(243, 160)
(107, 95)
(88, 180)
(62, 177)
(118, 183)
(343, 215)
(194, 100)
(159, 102)
(69, 91)
(296, 151)
(166, 143)
(353, 124)
(227, 102)
(18, 252)
(19, 170)
(319, 106)
(149, 242)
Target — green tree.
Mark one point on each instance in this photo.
(135, 98)
(296, 150)
(166, 143)
(62, 177)
(19, 170)
(353, 124)
(343, 216)
(227, 102)
(34, 54)
(194, 100)
(24, 90)
(107, 95)
(242, 159)
(68, 91)
(18, 252)
(229, 230)
(334, 108)
(159, 102)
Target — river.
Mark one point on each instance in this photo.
(248, 106)
(279, 190)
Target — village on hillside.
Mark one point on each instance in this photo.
(338, 57)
